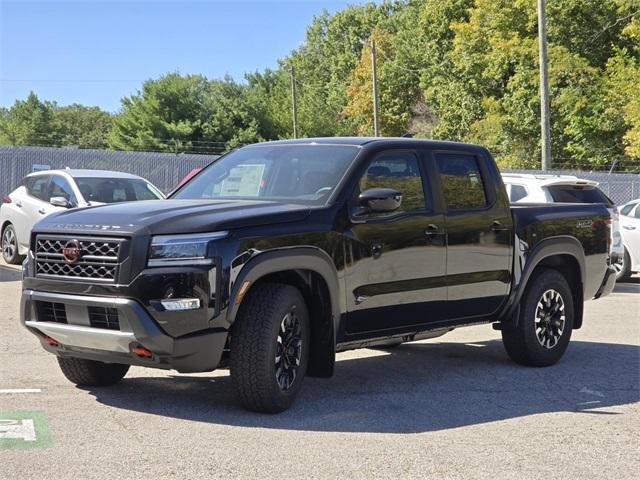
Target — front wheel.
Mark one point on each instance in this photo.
(545, 321)
(270, 347)
(10, 246)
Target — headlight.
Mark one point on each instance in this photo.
(172, 250)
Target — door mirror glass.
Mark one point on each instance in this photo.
(60, 202)
(380, 200)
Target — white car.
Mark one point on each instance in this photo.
(630, 223)
(528, 188)
(43, 193)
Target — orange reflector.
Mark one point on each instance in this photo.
(51, 341)
(142, 352)
(241, 292)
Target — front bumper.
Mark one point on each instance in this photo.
(197, 352)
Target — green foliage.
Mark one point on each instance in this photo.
(28, 122)
(167, 114)
(454, 69)
(34, 122)
(178, 113)
(86, 127)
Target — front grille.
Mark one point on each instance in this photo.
(99, 258)
(51, 312)
(103, 317)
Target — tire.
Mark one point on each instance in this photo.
(10, 246)
(89, 373)
(546, 296)
(270, 315)
(623, 270)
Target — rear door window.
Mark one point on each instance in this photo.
(462, 183)
(578, 194)
(38, 187)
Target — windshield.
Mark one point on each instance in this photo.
(113, 190)
(304, 174)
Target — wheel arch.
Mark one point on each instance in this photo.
(312, 271)
(562, 253)
(4, 225)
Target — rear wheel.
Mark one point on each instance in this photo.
(90, 373)
(10, 246)
(545, 322)
(623, 268)
(270, 347)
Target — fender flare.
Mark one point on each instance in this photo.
(559, 245)
(289, 258)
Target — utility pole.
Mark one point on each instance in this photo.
(374, 75)
(545, 114)
(294, 111)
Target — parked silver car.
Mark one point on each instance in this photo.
(43, 193)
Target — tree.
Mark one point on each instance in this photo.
(28, 122)
(397, 91)
(86, 127)
(167, 115)
(325, 62)
(187, 113)
(231, 117)
(270, 92)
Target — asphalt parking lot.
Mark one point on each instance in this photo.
(453, 407)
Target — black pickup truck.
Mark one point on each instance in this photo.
(280, 254)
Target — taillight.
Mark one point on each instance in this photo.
(6, 199)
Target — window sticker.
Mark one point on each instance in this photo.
(243, 181)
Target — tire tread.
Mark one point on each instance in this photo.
(250, 353)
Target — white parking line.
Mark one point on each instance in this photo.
(20, 390)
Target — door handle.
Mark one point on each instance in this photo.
(19, 204)
(361, 298)
(432, 229)
(42, 211)
(628, 227)
(497, 226)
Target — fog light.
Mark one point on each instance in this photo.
(180, 304)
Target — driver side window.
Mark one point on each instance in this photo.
(400, 171)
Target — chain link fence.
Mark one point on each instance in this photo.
(164, 170)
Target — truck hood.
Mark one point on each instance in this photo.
(158, 217)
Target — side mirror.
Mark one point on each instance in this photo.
(60, 202)
(380, 200)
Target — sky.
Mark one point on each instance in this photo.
(96, 52)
